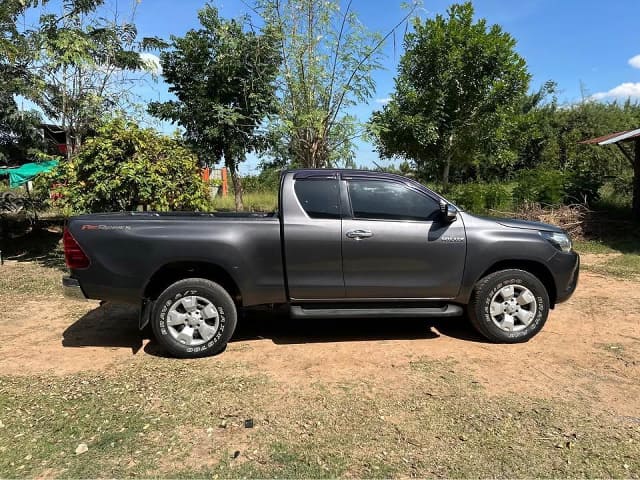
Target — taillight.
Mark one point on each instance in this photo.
(73, 254)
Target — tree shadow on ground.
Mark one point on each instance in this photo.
(41, 245)
(613, 228)
(116, 326)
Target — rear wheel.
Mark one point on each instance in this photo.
(193, 318)
(509, 306)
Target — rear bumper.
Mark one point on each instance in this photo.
(72, 289)
(566, 270)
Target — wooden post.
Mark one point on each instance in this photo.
(225, 186)
(635, 203)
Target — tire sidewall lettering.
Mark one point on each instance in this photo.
(166, 306)
(541, 307)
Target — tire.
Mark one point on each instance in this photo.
(502, 317)
(194, 318)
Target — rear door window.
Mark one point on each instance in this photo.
(320, 198)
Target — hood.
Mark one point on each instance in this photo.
(526, 224)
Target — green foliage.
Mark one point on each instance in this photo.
(268, 180)
(328, 60)
(79, 65)
(456, 99)
(124, 166)
(540, 185)
(551, 136)
(223, 76)
(480, 197)
(583, 186)
(20, 137)
(258, 201)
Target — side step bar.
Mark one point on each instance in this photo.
(448, 310)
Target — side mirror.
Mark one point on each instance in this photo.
(449, 212)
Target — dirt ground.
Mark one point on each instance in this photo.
(589, 350)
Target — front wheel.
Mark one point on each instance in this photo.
(509, 306)
(193, 318)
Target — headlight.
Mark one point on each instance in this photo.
(559, 240)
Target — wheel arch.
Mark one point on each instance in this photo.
(170, 273)
(539, 270)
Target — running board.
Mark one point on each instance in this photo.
(448, 310)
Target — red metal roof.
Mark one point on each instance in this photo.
(614, 137)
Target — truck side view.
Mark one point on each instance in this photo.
(343, 243)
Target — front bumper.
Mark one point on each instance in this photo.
(71, 288)
(565, 268)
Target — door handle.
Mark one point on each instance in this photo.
(359, 234)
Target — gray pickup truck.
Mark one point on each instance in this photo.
(343, 243)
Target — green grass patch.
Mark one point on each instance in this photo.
(253, 202)
(625, 266)
(28, 279)
(622, 257)
(618, 245)
(133, 423)
(184, 419)
(593, 246)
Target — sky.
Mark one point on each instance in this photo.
(590, 48)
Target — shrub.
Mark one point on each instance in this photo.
(540, 185)
(480, 197)
(583, 185)
(267, 180)
(124, 166)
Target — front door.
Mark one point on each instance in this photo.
(397, 245)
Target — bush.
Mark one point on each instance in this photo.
(583, 185)
(480, 197)
(541, 185)
(123, 167)
(267, 180)
(616, 193)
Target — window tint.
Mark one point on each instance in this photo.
(319, 198)
(376, 199)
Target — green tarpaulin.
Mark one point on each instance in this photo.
(21, 175)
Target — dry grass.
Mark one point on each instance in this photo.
(171, 418)
(569, 217)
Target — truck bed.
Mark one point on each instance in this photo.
(127, 250)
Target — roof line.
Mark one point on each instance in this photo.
(613, 137)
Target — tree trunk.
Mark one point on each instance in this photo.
(68, 144)
(237, 190)
(445, 171)
(447, 164)
(237, 184)
(635, 203)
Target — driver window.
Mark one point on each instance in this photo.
(387, 200)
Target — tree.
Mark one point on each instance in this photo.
(19, 131)
(328, 58)
(19, 135)
(123, 166)
(82, 66)
(557, 133)
(456, 96)
(223, 76)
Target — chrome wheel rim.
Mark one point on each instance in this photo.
(513, 308)
(193, 320)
